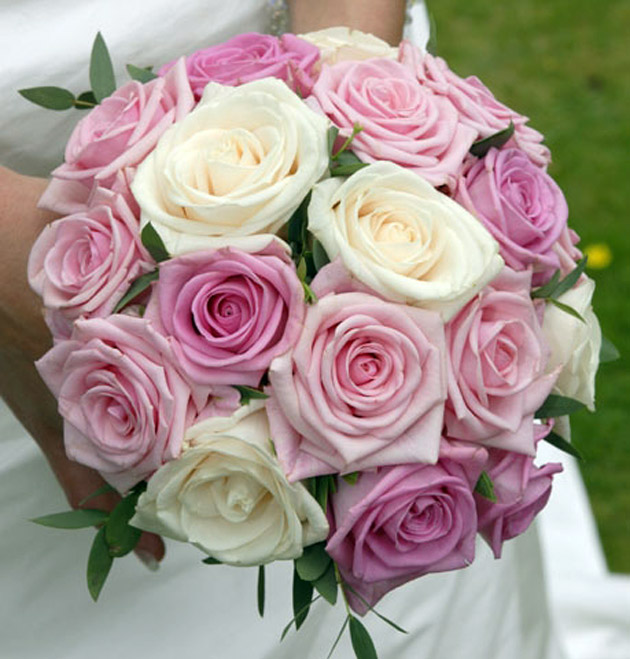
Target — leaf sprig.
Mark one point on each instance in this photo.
(557, 286)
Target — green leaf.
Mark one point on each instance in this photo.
(85, 101)
(73, 519)
(302, 595)
(361, 641)
(326, 585)
(121, 537)
(99, 564)
(313, 562)
(566, 308)
(249, 393)
(309, 295)
(370, 608)
(285, 631)
(347, 170)
(320, 258)
(301, 269)
(562, 444)
(485, 487)
(137, 286)
(102, 77)
(558, 406)
(571, 279)
(351, 478)
(339, 635)
(140, 74)
(152, 240)
(548, 289)
(331, 136)
(51, 98)
(323, 486)
(261, 590)
(297, 227)
(356, 129)
(608, 352)
(104, 489)
(210, 560)
(497, 140)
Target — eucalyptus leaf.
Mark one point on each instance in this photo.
(104, 489)
(51, 98)
(362, 643)
(291, 622)
(561, 443)
(302, 595)
(548, 289)
(327, 585)
(121, 537)
(102, 77)
(313, 562)
(339, 635)
(99, 564)
(370, 608)
(496, 141)
(320, 258)
(73, 519)
(260, 590)
(566, 308)
(85, 101)
(485, 487)
(249, 393)
(571, 279)
(558, 406)
(152, 240)
(140, 74)
(137, 286)
(608, 352)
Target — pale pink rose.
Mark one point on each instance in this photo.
(252, 56)
(399, 523)
(81, 265)
(497, 354)
(522, 491)
(567, 250)
(124, 401)
(228, 313)
(117, 134)
(475, 103)
(402, 121)
(363, 387)
(520, 205)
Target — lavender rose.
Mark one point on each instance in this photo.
(402, 121)
(399, 523)
(364, 386)
(520, 205)
(125, 404)
(252, 56)
(228, 312)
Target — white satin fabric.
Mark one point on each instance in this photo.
(492, 610)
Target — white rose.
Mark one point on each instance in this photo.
(575, 345)
(236, 167)
(403, 239)
(338, 44)
(228, 495)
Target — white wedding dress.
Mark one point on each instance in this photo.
(492, 610)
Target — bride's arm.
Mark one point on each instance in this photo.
(384, 18)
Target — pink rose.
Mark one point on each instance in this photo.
(520, 205)
(522, 491)
(252, 56)
(475, 103)
(117, 134)
(497, 355)
(402, 121)
(124, 402)
(399, 523)
(363, 387)
(84, 263)
(229, 313)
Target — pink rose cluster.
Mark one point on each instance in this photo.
(410, 409)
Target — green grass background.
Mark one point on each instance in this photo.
(566, 64)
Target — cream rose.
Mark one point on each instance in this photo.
(337, 44)
(575, 345)
(227, 495)
(236, 167)
(403, 239)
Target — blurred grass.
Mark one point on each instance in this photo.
(567, 66)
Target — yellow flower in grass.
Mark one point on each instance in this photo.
(599, 255)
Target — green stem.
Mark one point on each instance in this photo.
(343, 592)
(356, 129)
(85, 104)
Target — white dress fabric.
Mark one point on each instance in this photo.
(491, 610)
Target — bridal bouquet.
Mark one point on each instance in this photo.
(314, 299)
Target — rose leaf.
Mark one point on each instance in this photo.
(140, 74)
(99, 564)
(210, 560)
(121, 537)
(326, 585)
(331, 136)
(302, 595)
(313, 562)
(351, 478)
(101, 70)
(261, 590)
(558, 406)
(51, 98)
(481, 147)
(73, 519)
(320, 258)
(485, 487)
(362, 643)
(152, 240)
(561, 443)
(137, 286)
(249, 393)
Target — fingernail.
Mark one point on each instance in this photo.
(148, 559)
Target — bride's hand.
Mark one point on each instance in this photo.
(24, 337)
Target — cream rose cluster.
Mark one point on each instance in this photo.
(303, 309)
